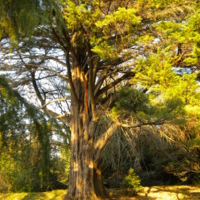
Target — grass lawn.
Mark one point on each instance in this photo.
(151, 193)
(55, 194)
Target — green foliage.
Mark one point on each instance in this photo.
(19, 17)
(132, 182)
(130, 101)
(137, 107)
(194, 143)
(84, 22)
(165, 87)
(169, 99)
(55, 195)
(27, 160)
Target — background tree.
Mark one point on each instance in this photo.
(29, 159)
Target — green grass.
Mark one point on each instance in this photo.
(52, 195)
(179, 192)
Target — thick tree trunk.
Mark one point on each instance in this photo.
(85, 174)
(85, 180)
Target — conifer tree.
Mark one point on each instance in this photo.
(25, 144)
(101, 42)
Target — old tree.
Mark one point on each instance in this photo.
(89, 48)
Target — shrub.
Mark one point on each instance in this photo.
(132, 183)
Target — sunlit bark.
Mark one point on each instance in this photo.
(85, 173)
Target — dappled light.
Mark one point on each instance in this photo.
(99, 98)
(152, 193)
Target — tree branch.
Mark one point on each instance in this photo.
(101, 79)
(55, 100)
(126, 75)
(61, 117)
(42, 101)
(70, 76)
(57, 73)
(68, 41)
(59, 40)
(103, 140)
(91, 86)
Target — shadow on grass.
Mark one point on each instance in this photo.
(120, 194)
(34, 196)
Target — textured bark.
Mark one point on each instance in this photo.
(85, 174)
